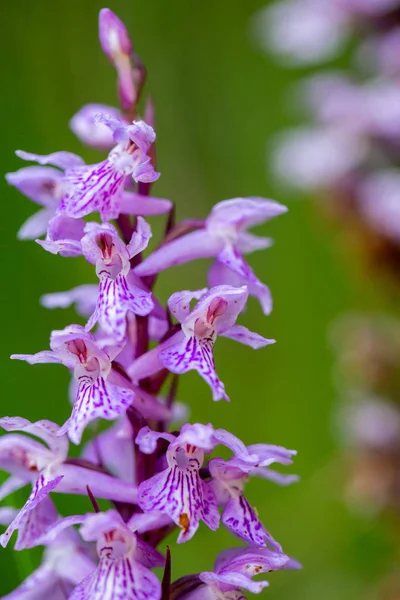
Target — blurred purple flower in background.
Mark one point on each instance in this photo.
(348, 152)
(348, 156)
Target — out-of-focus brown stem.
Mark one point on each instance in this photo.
(142, 333)
(173, 388)
(126, 227)
(93, 500)
(166, 580)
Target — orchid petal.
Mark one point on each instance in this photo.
(93, 133)
(147, 555)
(65, 228)
(231, 258)
(94, 188)
(10, 485)
(142, 134)
(268, 453)
(52, 532)
(241, 519)
(248, 242)
(39, 184)
(68, 248)
(119, 578)
(235, 580)
(221, 274)
(140, 237)
(274, 476)
(183, 496)
(194, 354)
(42, 583)
(245, 336)
(144, 522)
(46, 356)
(116, 297)
(179, 302)
(45, 430)
(34, 523)
(83, 296)
(250, 561)
(232, 442)
(231, 299)
(197, 244)
(147, 439)
(63, 160)
(39, 492)
(243, 212)
(147, 206)
(95, 399)
(36, 225)
(76, 479)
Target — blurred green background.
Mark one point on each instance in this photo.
(219, 100)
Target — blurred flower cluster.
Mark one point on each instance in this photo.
(155, 468)
(368, 379)
(368, 419)
(348, 154)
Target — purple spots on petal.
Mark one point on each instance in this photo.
(116, 298)
(95, 399)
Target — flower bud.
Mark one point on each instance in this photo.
(114, 38)
(116, 44)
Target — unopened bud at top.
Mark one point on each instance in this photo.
(115, 41)
(114, 37)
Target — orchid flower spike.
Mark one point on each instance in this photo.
(160, 473)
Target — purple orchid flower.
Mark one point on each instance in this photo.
(99, 187)
(191, 348)
(228, 481)
(83, 189)
(124, 560)
(238, 516)
(66, 562)
(178, 491)
(96, 395)
(44, 467)
(43, 185)
(118, 293)
(224, 237)
(234, 570)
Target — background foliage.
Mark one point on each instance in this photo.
(219, 101)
